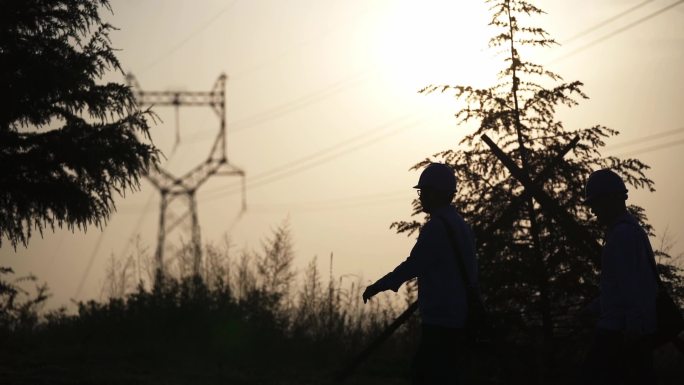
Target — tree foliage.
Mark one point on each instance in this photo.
(249, 319)
(67, 139)
(533, 275)
(19, 307)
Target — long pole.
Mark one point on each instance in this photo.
(501, 222)
(353, 364)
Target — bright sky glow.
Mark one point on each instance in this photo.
(436, 42)
(335, 82)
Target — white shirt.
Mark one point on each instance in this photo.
(628, 284)
(441, 292)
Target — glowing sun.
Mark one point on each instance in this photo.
(435, 42)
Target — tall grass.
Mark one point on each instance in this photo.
(249, 318)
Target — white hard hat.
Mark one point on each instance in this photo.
(437, 176)
(601, 183)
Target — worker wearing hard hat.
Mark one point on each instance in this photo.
(620, 353)
(441, 291)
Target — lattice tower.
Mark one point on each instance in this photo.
(183, 188)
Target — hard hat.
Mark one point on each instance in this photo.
(602, 183)
(437, 176)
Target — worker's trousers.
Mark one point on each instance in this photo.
(612, 361)
(441, 356)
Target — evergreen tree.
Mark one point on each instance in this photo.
(533, 276)
(67, 141)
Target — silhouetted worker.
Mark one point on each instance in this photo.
(441, 292)
(621, 352)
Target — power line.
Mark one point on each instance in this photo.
(341, 200)
(339, 86)
(617, 31)
(335, 88)
(290, 106)
(343, 143)
(279, 110)
(381, 197)
(385, 194)
(96, 249)
(392, 196)
(189, 37)
(288, 170)
(312, 207)
(98, 244)
(91, 259)
(571, 53)
(647, 138)
(264, 177)
(300, 169)
(285, 52)
(322, 152)
(297, 104)
(329, 158)
(653, 148)
(253, 68)
(606, 21)
(136, 228)
(328, 202)
(348, 202)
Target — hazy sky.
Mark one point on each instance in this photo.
(335, 82)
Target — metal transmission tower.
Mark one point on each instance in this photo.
(171, 187)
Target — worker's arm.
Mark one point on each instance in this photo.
(412, 267)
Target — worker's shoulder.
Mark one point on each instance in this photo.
(453, 219)
(456, 218)
(627, 228)
(433, 225)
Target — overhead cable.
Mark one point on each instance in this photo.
(617, 31)
(606, 22)
(189, 37)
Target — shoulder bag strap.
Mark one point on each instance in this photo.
(652, 262)
(457, 255)
(651, 257)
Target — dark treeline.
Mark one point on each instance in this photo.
(250, 318)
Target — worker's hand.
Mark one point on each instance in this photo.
(370, 291)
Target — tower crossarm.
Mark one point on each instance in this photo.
(161, 179)
(214, 98)
(177, 98)
(193, 179)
